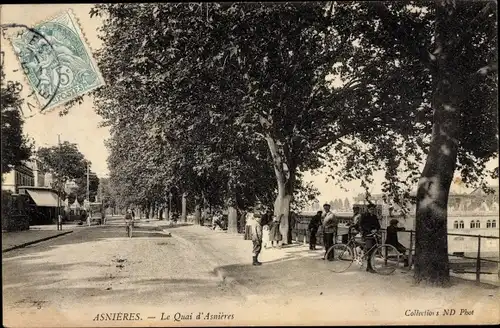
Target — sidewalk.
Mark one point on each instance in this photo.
(229, 247)
(18, 239)
(159, 224)
(295, 275)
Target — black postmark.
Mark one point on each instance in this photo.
(39, 47)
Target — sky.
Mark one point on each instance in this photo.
(80, 125)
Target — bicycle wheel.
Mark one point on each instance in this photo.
(385, 259)
(339, 257)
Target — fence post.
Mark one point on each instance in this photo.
(410, 255)
(478, 260)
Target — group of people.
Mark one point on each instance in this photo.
(367, 224)
(265, 232)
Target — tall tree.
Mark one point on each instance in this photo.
(15, 146)
(265, 68)
(65, 162)
(435, 65)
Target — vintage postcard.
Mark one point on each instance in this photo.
(237, 164)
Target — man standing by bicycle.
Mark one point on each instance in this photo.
(329, 228)
(370, 226)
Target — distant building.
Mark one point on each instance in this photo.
(30, 173)
(30, 179)
(21, 175)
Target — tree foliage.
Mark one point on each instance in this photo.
(216, 98)
(394, 47)
(15, 146)
(431, 67)
(66, 163)
(200, 118)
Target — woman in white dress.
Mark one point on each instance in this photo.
(249, 222)
(265, 236)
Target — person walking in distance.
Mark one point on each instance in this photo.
(257, 239)
(129, 218)
(313, 229)
(329, 228)
(369, 226)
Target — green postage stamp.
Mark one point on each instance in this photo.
(57, 60)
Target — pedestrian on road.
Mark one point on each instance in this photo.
(256, 239)
(330, 223)
(274, 231)
(370, 225)
(392, 238)
(313, 229)
(265, 236)
(249, 221)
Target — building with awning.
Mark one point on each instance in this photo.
(43, 204)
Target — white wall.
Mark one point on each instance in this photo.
(8, 181)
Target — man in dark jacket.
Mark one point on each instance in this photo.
(369, 226)
(392, 238)
(266, 218)
(256, 240)
(313, 229)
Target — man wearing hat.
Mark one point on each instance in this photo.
(356, 218)
(369, 225)
(329, 227)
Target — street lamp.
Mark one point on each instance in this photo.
(59, 185)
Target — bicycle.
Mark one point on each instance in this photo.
(129, 226)
(384, 258)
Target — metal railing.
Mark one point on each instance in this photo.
(302, 235)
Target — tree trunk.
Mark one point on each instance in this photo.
(282, 206)
(168, 213)
(203, 209)
(197, 214)
(431, 241)
(232, 213)
(232, 220)
(184, 207)
(147, 210)
(197, 210)
(285, 176)
(203, 216)
(160, 214)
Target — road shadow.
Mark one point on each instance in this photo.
(306, 276)
(88, 235)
